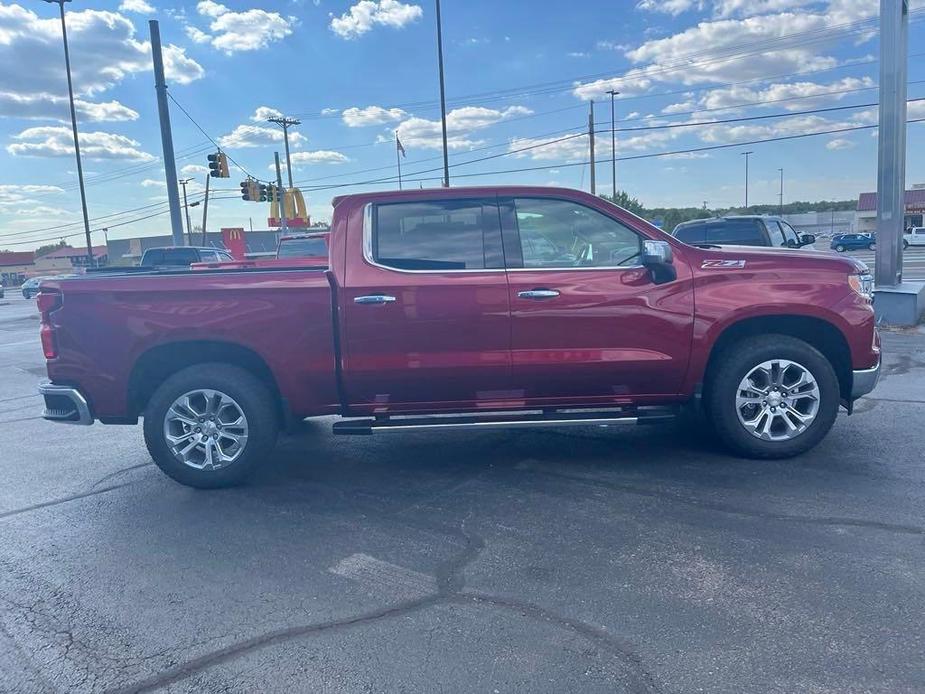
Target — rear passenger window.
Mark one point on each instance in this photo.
(691, 234)
(736, 232)
(439, 235)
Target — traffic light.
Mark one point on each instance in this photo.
(272, 193)
(261, 192)
(218, 165)
(252, 191)
(246, 190)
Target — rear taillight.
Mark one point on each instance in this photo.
(48, 302)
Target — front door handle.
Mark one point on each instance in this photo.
(374, 299)
(538, 294)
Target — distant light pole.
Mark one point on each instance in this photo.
(189, 229)
(446, 156)
(613, 142)
(746, 155)
(780, 206)
(80, 170)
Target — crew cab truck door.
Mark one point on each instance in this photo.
(588, 323)
(425, 307)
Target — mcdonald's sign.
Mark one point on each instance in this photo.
(234, 241)
(293, 209)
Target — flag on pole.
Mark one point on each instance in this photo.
(398, 145)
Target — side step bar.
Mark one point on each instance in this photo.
(518, 420)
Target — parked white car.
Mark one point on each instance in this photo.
(914, 237)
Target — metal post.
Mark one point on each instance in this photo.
(780, 204)
(398, 159)
(170, 165)
(205, 209)
(80, 171)
(286, 122)
(891, 159)
(613, 142)
(282, 199)
(446, 155)
(591, 145)
(746, 155)
(189, 229)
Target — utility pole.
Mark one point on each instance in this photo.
(446, 154)
(780, 205)
(281, 201)
(163, 110)
(591, 144)
(746, 155)
(613, 142)
(891, 157)
(189, 229)
(205, 209)
(286, 122)
(398, 152)
(80, 170)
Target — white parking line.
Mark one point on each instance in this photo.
(33, 341)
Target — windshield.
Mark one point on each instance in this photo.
(314, 247)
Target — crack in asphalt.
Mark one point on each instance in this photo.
(62, 500)
(734, 510)
(450, 590)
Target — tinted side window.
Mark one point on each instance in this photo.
(153, 257)
(208, 256)
(691, 233)
(181, 256)
(775, 233)
(563, 234)
(738, 232)
(438, 235)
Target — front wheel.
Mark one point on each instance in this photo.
(840, 248)
(210, 425)
(872, 246)
(905, 245)
(772, 396)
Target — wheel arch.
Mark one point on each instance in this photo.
(818, 332)
(161, 361)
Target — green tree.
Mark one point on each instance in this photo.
(49, 247)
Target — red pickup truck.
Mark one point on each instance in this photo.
(465, 307)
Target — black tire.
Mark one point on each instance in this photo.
(736, 361)
(872, 246)
(905, 245)
(839, 248)
(251, 395)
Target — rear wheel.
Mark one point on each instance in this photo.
(872, 246)
(210, 425)
(840, 248)
(772, 396)
(905, 245)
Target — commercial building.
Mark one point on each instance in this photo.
(129, 251)
(15, 267)
(66, 260)
(914, 215)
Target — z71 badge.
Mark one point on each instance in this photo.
(716, 264)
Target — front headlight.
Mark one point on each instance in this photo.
(863, 284)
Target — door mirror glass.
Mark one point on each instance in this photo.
(807, 239)
(657, 256)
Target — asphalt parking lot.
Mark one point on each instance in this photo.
(616, 559)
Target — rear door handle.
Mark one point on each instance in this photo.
(538, 294)
(374, 299)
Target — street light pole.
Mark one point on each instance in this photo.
(446, 155)
(613, 142)
(780, 206)
(189, 229)
(80, 171)
(746, 155)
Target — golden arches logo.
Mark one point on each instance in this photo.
(235, 234)
(293, 205)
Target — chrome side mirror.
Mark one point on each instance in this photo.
(657, 256)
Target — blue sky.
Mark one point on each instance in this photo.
(520, 75)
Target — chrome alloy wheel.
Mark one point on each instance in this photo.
(205, 429)
(777, 400)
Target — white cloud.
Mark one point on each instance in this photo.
(139, 6)
(265, 112)
(58, 141)
(233, 32)
(52, 107)
(43, 211)
(839, 143)
(793, 92)
(578, 54)
(672, 7)
(152, 183)
(193, 169)
(371, 115)
(104, 52)
(460, 123)
(258, 136)
(329, 111)
(15, 195)
(321, 156)
(366, 14)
